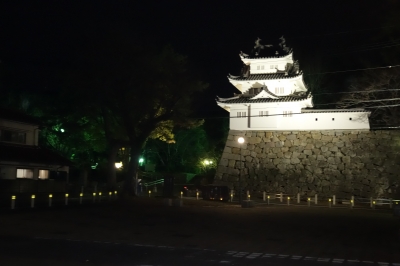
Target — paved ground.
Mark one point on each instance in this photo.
(199, 233)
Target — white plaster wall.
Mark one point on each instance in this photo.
(305, 121)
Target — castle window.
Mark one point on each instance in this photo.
(350, 118)
(316, 119)
(279, 90)
(239, 114)
(287, 113)
(263, 113)
(273, 66)
(333, 119)
(243, 114)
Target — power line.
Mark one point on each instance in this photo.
(352, 70)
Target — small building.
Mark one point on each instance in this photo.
(273, 96)
(21, 157)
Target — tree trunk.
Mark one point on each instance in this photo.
(112, 174)
(130, 181)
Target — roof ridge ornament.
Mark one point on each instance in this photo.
(258, 47)
(283, 44)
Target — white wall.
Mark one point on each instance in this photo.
(304, 121)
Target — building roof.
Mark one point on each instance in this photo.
(272, 54)
(30, 154)
(334, 110)
(265, 76)
(18, 116)
(244, 99)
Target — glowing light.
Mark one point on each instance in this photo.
(62, 130)
(50, 195)
(81, 195)
(99, 193)
(141, 160)
(241, 140)
(13, 197)
(118, 165)
(110, 193)
(330, 200)
(115, 192)
(33, 196)
(94, 194)
(66, 195)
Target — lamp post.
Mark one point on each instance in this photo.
(240, 141)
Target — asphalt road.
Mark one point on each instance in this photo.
(144, 232)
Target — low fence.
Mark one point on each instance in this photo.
(332, 201)
(24, 201)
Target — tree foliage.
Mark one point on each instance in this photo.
(378, 91)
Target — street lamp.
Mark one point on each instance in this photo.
(240, 141)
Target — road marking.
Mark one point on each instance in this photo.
(268, 255)
(231, 252)
(296, 257)
(253, 255)
(310, 258)
(353, 261)
(323, 259)
(224, 261)
(383, 263)
(367, 261)
(396, 264)
(281, 256)
(338, 260)
(241, 254)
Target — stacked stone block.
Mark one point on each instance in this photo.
(344, 163)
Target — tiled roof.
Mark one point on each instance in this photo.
(262, 100)
(17, 116)
(333, 110)
(30, 154)
(284, 54)
(265, 76)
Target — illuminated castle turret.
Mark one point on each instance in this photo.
(273, 96)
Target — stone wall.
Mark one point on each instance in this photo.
(344, 163)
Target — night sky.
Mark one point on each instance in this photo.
(39, 38)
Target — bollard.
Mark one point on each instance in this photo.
(316, 199)
(373, 204)
(150, 194)
(248, 196)
(330, 203)
(334, 200)
(99, 196)
(155, 189)
(33, 201)
(181, 194)
(298, 198)
(13, 198)
(197, 195)
(80, 198)
(281, 197)
(352, 202)
(370, 203)
(231, 196)
(115, 194)
(309, 202)
(264, 195)
(268, 199)
(66, 199)
(288, 201)
(94, 197)
(50, 199)
(109, 195)
(390, 203)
